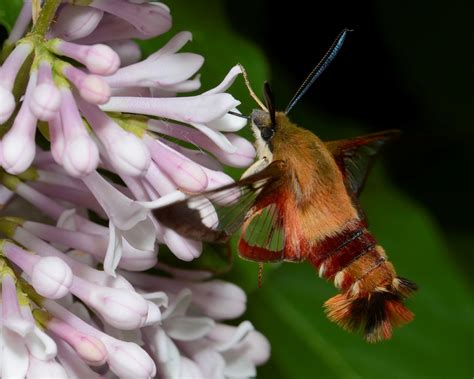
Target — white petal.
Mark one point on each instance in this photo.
(154, 314)
(217, 137)
(142, 236)
(41, 345)
(200, 109)
(124, 212)
(180, 305)
(184, 248)
(241, 332)
(114, 250)
(158, 298)
(14, 356)
(188, 328)
(19, 325)
(163, 201)
(39, 369)
(228, 123)
(173, 45)
(227, 82)
(238, 366)
(210, 362)
(167, 355)
(67, 220)
(190, 369)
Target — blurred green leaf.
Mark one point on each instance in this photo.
(9, 10)
(217, 258)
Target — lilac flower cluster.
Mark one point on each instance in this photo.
(108, 114)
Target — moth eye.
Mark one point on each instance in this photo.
(267, 133)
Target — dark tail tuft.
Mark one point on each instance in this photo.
(376, 312)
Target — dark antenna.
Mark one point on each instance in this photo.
(269, 101)
(239, 115)
(318, 70)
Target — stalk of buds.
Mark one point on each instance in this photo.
(75, 302)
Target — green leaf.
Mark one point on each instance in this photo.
(216, 258)
(9, 10)
(305, 344)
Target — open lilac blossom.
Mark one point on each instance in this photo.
(95, 138)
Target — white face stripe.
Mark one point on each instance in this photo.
(263, 150)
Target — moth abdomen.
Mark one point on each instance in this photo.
(371, 293)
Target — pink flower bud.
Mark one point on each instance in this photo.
(74, 22)
(121, 308)
(76, 368)
(126, 152)
(92, 88)
(129, 155)
(45, 101)
(99, 59)
(102, 60)
(51, 277)
(128, 360)
(219, 299)
(7, 104)
(182, 171)
(81, 156)
(18, 144)
(89, 348)
(184, 248)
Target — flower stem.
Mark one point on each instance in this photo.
(45, 17)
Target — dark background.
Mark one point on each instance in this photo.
(407, 65)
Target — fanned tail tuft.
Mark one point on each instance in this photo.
(376, 312)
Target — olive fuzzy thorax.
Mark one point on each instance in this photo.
(261, 121)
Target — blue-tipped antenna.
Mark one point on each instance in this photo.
(319, 69)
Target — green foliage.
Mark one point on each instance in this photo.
(9, 10)
(217, 259)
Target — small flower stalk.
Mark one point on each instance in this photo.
(93, 138)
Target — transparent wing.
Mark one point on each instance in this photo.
(215, 215)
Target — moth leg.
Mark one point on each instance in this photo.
(256, 167)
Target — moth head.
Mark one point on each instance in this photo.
(264, 121)
(262, 125)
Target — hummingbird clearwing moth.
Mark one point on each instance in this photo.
(299, 201)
